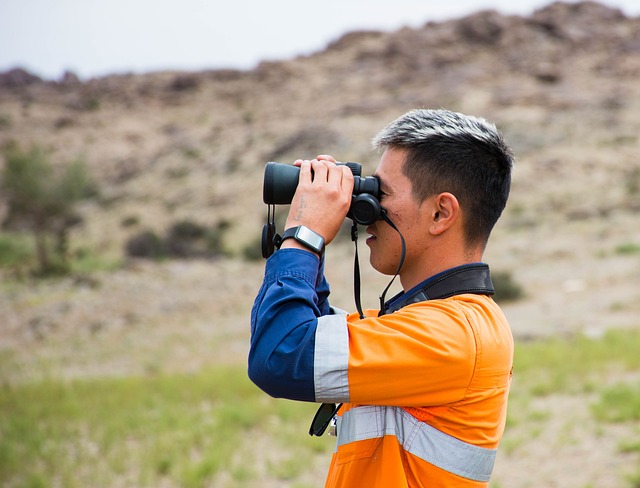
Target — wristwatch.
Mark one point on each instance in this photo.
(306, 237)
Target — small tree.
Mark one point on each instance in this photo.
(42, 199)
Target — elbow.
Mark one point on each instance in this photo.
(265, 376)
(280, 381)
(261, 377)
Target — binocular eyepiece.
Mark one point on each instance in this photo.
(281, 181)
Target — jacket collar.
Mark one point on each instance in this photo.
(468, 278)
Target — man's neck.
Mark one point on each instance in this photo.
(415, 273)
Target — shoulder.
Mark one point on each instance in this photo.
(439, 326)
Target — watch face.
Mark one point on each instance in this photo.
(314, 240)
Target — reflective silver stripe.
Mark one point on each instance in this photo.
(331, 360)
(420, 439)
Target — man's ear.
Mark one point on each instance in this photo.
(445, 212)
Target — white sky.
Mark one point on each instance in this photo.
(99, 37)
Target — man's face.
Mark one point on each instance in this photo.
(404, 211)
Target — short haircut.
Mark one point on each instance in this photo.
(461, 154)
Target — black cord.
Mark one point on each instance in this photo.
(356, 265)
(356, 271)
(386, 218)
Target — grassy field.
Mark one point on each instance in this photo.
(176, 430)
(214, 428)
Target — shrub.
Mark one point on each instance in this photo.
(145, 245)
(507, 290)
(130, 221)
(5, 121)
(44, 200)
(215, 237)
(252, 251)
(183, 239)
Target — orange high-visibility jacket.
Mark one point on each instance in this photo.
(428, 388)
(424, 388)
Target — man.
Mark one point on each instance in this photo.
(424, 382)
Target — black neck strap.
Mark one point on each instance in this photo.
(470, 278)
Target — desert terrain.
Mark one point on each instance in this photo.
(562, 84)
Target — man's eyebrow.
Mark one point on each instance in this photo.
(383, 184)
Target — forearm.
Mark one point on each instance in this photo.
(284, 319)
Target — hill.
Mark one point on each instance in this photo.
(171, 147)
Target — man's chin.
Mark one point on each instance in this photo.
(382, 268)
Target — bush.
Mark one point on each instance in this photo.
(43, 199)
(5, 121)
(183, 239)
(253, 250)
(215, 238)
(145, 245)
(507, 290)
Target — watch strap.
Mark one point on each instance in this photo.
(298, 232)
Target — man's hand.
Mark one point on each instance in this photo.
(322, 199)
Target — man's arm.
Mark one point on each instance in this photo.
(284, 319)
(294, 293)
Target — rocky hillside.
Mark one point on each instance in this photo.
(562, 84)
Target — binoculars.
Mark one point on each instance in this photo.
(281, 180)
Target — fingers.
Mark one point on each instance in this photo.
(339, 176)
(325, 169)
(305, 171)
(323, 196)
(326, 157)
(312, 170)
(320, 170)
(320, 157)
(347, 180)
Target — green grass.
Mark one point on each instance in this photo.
(574, 365)
(16, 250)
(188, 430)
(605, 368)
(628, 248)
(619, 403)
(84, 261)
(630, 445)
(138, 431)
(18, 256)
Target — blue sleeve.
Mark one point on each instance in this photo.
(284, 319)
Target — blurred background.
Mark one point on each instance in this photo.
(133, 138)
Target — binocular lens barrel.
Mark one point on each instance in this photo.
(280, 183)
(281, 180)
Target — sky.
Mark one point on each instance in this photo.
(99, 37)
